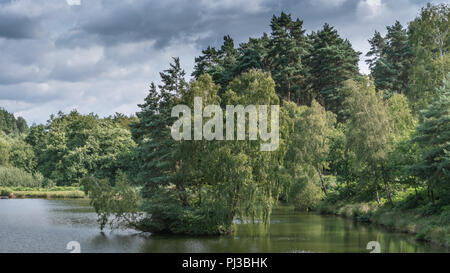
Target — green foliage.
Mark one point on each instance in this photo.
(156, 148)
(429, 40)
(250, 59)
(401, 115)
(306, 193)
(223, 64)
(14, 177)
(120, 201)
(5, 192)
(368, 134)
(433, 136)
(377, 45)
(287, 47)
(199, 187)
(15, 152)
(331, 62)
(307, 154)
(390, 66)
(48, 193)
(10, 125)
(72, 146)
(4, 152)
(21, 155)
(444, 218)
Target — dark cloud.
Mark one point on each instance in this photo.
(18, 26)
(167, 21)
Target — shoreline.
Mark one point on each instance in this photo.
(42, 193)
(423, 228)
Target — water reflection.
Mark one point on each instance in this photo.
(33, 225)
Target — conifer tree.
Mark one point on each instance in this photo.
(287, 47)
(156, 148)
(434, 137)
(206, 62)
(377, 44)
(260, 45)
(331, 62)
(220, 64)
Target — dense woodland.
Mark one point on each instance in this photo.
(345, 137)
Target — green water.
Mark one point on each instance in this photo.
(37, 225)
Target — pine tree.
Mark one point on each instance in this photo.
(331, 62)
(156, 148)
(206, 62)
(377, 44)
(228, 57)
(287, 47)
(220, 64)
(434, 137)
(397, 52)
(390, 70)
(249, 60)
(260, 45)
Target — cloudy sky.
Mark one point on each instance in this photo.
(100, 56)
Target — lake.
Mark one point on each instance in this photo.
(39, 225)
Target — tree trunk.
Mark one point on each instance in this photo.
(430, 194)
(289, 92)
(388, 192)
(386, 184)
(378, 197)
(324, 187)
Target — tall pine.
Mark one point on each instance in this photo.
(287, 47)
(434, 138)
(156, 148)
(331, 62)
(390, 70)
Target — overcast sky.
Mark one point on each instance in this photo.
(101, 56)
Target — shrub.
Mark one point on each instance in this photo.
(444, 219)
(14, 177)
(48, 183)
(305, 194)
(424, 233)
(5, 192)
(428, 209)
(411, 201)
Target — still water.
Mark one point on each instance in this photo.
(38, 225)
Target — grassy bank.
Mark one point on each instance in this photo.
(48, 193)
(426, 223)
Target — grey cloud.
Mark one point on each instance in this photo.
(18, 26)
(166, 21)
